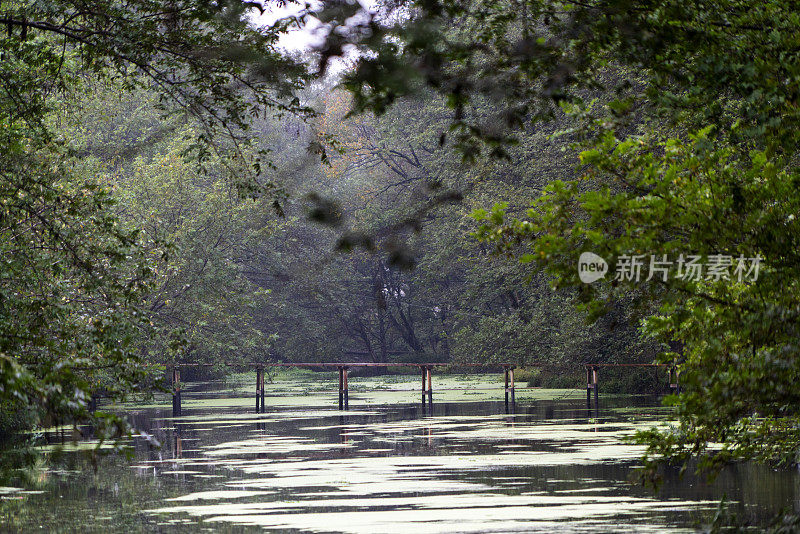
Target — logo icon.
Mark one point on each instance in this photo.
(591, 267)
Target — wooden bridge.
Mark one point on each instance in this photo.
(426, 371)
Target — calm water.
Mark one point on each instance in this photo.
(384, 466)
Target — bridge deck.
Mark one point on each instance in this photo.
(415, 365)
(427, 380)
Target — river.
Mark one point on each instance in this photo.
(384, 466)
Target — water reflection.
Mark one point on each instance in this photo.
(552, 464)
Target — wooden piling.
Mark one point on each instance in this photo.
(430, 386)
(258, 382)
(513, 395)
(424, 379)
(591, 385)
(588, 388)
(346, 390)
(505, 380)
(263, 407)
(341, 390)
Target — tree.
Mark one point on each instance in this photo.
(75, 277)
(458, 303)
(194, 217)
(689, 148)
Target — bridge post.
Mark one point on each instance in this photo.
(424, 378)
(341, 388)
(505, 379)
(258, 383)
(513, 389)
(591, 384)
(346, 390)
(430, 386)
(176, 391)
(262, 390)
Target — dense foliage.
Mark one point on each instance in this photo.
(79, 284)
(684, 115)
(414, 285)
